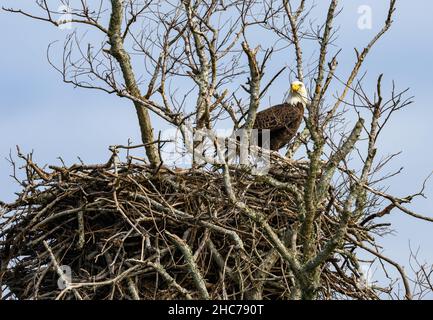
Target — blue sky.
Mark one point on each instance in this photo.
(40, 113)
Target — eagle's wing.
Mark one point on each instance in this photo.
(279, 117)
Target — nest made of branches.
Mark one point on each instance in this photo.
(128, 231)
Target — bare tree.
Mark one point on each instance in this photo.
(194, 64)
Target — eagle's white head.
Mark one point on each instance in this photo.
(298, 93)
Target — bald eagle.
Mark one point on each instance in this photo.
(283, 120)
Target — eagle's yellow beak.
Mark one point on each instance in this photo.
(296, 87)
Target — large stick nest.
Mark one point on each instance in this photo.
(124, 231)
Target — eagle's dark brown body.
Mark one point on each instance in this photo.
(283, 121)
